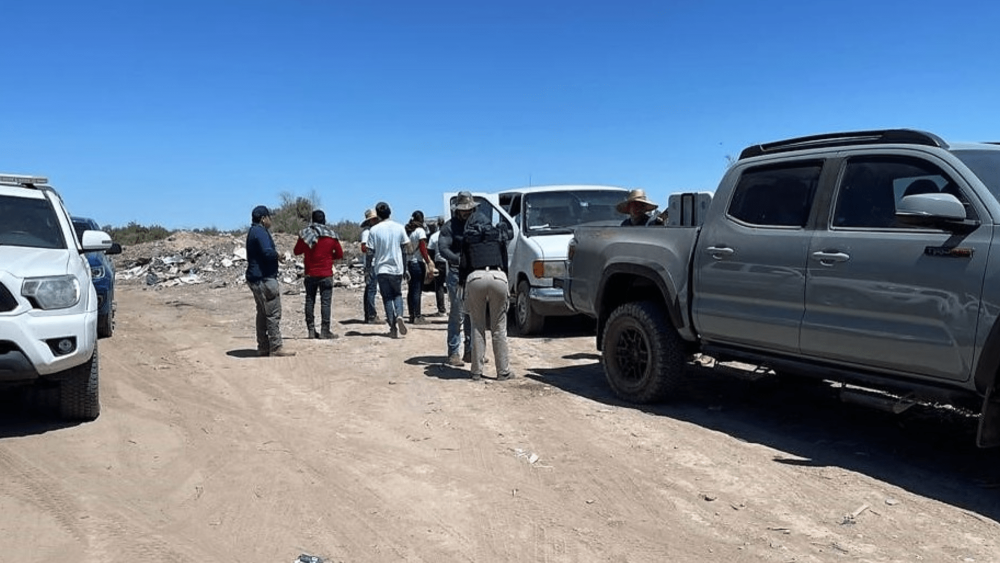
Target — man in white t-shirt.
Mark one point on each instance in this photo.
(389, 244)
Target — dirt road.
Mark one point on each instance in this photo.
(370, 449)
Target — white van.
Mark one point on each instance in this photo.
(542, 220)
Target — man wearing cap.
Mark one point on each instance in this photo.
(262, 277)
(450, 247)
(371, 287)
(389, 243)
(320, 247)
(639, 210)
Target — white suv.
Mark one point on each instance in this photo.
(48, 305)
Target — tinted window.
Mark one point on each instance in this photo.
(870, 188)
(29, 222)
(775, 196)
(986, 165)
(80, 225)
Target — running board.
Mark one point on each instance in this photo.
(878, 401)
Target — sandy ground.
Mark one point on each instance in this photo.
(370, 449)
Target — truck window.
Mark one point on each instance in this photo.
(870, 188)
(775, 196)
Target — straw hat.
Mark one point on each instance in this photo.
(638, 195)
(369, 215)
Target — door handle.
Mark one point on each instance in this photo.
(830, 258)
(720, 252)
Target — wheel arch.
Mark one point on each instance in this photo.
(627, 282)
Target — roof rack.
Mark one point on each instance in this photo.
(883, 136)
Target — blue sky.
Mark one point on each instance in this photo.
(188, 113)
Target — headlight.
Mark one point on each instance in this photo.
(548, 268)
(56, 292)
(97, 272)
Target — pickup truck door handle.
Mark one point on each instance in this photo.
(829, 258)
(720, 252)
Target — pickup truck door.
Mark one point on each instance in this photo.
(883, 295)
(750, 259)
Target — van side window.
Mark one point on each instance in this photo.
(870, 188)
(776, 196)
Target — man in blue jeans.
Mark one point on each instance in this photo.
(262, 277)
(450, 247)
(389, 243)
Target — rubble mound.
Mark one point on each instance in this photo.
(187, 257)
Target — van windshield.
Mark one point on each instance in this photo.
(557, 211)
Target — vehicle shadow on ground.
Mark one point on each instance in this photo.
(29, 412)
(927, 450)
(557, 327)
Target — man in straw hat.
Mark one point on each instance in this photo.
(371, 288)
(639, 210)
(450, 247)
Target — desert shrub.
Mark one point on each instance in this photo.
(347, 231)
(134, 233)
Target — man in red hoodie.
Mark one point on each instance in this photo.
(321, 247)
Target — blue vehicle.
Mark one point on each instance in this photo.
(102, 272)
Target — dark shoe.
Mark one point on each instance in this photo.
(393, 333)
(371, 321)
(476, 377)
(454, 360)
(327, 335)
(401, 326)
(312, 334)
(280, 352)
(506, 376)
(467, 358)
(419, 321)
(263, 353)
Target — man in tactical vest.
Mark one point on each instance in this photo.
(483, 273)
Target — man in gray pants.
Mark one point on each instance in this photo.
(483, 273)
(262, 277)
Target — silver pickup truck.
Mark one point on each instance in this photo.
(866, 258)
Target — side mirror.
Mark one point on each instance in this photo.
(95, 240)
(933, 210)
(115, 249)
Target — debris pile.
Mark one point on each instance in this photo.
(186, 258)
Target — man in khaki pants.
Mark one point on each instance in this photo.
(483, 272)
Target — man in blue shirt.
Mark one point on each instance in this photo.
(262, 277)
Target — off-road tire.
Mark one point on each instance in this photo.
(643, 355)
(79, 392)
(105, 325)
(527, 321)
